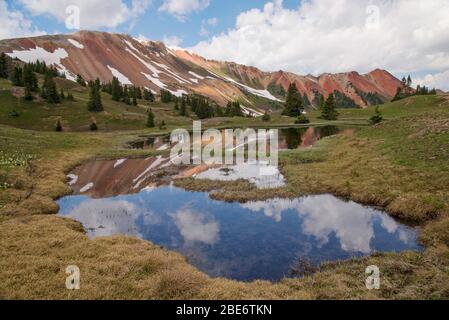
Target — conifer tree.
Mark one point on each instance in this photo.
(16, 77)
(266, 117)
(409, 81)
(293, 103)
(28, 94)
(80, 80)
(116, 89)
(150, 119)
(377, 118)
(94, 104)
(49, 91)
(329, 111)
(148, 95)
(58, 127)
(183, 108)
(29, 78)
(4, 65)
(61, 94)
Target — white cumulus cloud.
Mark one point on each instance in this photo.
(93, 13)
(403, 36)
(437, 80)
(14, 24)
(181, 8)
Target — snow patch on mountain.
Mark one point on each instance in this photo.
(121, 78)
(155, 80)
(75, 43)
(178, 93)
(129, 44)
(257, 92)
(176, 76)
(50, 58)
(196, 75)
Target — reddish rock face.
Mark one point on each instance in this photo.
(154, 66)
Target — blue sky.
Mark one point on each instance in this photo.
(308, 36)
(157, 25)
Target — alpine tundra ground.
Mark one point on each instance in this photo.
(401, 165)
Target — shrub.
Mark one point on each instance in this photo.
(302, 119)
(266, 117)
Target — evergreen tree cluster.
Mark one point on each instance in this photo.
(370, 98)
(406, 91)
(126, 94)
(424, 90)
(233, 109)
(167, 96)
(201, 106)
(276, 90)
(343, 101)
(25, 76)
(81, 81)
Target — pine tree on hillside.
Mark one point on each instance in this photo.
(16, 77)
(28, 94)
(377, 118)
(80, 80)
(293, 103)
(49, 91)
(29, 78)
(183, 108)
(94, 104)
(409, 81)
(125, 97)
(138, 93)
(150, 119)
(148, 95)
(116, 89)
(61, 94)
(4, 65)
(237, 109)
(404, 81)
(329, 111)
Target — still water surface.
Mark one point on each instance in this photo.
(256, 240)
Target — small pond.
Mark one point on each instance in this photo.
(289, 138)
(255, 240)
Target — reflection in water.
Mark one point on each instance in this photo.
(289, 138)
(294, 138)
(257, 240)
(195, 227)
(264, 176)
